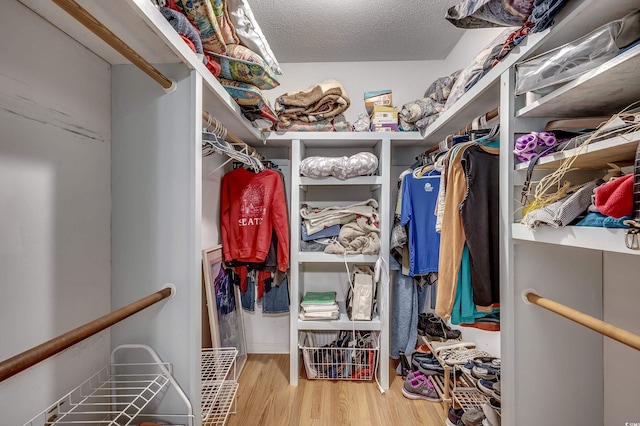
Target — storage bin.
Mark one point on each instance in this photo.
(545, 73)
(332, 354)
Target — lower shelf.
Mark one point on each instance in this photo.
(218, 408)
(219, 386)
(467, 398)
(334, 356)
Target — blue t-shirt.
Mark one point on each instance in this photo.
(419, 199)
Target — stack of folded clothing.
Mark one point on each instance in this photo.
(318, 108)
(420, 113)
(319, 305)
(358, 234)
(234, 49)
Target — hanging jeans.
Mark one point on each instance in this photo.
(274, 301)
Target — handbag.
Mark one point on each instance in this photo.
(362, 294)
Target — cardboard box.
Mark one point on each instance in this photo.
(377, 97)
(384, 115)
(390, 127)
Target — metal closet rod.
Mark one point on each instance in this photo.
(31, 357)
(81, 15)
(616, 333)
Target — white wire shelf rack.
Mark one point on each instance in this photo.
(467, 398)
(219, 386)
(114, 396)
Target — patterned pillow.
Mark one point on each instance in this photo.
(226, 27)
(251, 100)
(360, 164)
(249, 32)
(201, 15)
(489, 13)
(241, 64)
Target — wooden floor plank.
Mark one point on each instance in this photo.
(265, 398)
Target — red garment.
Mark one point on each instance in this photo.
(252, 205)
(189, 43)
(615, 198)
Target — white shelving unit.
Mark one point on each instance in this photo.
(576, 266)
(219, 385)
(311, 271)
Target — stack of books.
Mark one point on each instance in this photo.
(319, 305)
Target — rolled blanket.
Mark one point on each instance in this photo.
(319, 102)
(181, 24)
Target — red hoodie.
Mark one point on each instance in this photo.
(252, 205)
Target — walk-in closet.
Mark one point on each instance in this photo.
(238, 212)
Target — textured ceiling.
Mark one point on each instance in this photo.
(356, 30)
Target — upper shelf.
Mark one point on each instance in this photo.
(604, 90)
(374, 181)
(606, 239)
(321, 257)
(576, 19)
(620, 150)
(141, 26)
(344, 139)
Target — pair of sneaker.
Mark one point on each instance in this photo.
(434, 328)
(426, 363)
(420, 387)
(487, 368)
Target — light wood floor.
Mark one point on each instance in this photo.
(266, 399)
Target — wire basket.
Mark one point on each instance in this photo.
(335, 355)
(119, 394)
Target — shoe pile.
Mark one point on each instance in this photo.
(486, 370)
(434, 328)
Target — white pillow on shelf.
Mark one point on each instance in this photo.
(249, 32)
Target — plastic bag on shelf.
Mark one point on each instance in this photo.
(545, 73)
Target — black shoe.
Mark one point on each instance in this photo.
(423, 320)
(436, 329)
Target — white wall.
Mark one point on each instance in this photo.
(55, 203)
(408, 80)
(621, 377)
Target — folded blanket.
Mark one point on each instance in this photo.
(336, 124)
(319, 102)
(316, 219)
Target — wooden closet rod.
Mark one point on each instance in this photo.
(230, 137)
(609, 330)
(30, 357)
(81, 15)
